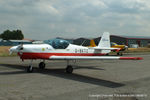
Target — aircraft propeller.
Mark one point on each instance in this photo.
(16, 49)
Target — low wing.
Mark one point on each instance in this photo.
(93, 58)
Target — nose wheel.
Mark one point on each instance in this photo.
(69, 69)
(42, 65)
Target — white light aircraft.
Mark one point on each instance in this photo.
(58, 49)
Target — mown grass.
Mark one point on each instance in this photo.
(136, 50)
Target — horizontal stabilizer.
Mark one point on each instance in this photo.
(104, 48)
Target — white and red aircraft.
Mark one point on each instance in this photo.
(58, 49)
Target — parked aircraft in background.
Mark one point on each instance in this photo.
(92, 43)
(113, 45)
(58, 49)
(122, 48)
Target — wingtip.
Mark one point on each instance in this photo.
(139, 58)
(131, 58)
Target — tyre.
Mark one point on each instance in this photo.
(69, 69)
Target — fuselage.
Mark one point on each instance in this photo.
(59, 47)
(44, 51)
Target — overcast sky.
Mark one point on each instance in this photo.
(45, 19)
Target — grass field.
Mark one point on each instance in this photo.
(4, 50)
(143, 49)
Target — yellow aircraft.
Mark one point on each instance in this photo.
(113, 45)
(122, 47)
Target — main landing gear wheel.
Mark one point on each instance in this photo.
(42, 65)
(30, 69)
(69, 69)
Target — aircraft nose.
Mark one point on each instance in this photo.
(13, 49)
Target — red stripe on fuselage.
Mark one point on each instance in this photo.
(47, 55)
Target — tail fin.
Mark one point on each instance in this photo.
(92, 43)
(105, 40)
(104, 44)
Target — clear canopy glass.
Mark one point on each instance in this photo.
(57, 43)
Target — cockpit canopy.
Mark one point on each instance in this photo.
(57, 43)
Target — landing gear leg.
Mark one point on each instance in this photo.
(42, 65)
(69, 68)
(30, 68)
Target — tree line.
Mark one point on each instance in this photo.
(12, 35)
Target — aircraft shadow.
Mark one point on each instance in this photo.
(62, 74)
(88, 67)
